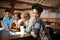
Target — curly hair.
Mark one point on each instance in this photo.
(18, 14)
(38, 7)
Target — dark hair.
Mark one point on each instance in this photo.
(7, 10)
(38, 7)
(18, 14)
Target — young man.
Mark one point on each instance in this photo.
(37, 10)
(8, 16)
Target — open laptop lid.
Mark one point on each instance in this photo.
(4, 26)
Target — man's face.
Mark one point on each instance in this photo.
(6, 13)
(9, 14)
(35, 13)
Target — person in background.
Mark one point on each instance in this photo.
(31, 22)
(37, 10)
(8, 16)
(15, 20)
(24, 21)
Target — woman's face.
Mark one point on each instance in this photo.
(35, 13)
(16, 17)
(24, 19)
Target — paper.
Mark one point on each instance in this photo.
(1, 29)
(15, 33)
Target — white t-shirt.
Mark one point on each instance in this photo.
(20, 20)
(26, 22)
(15, 21)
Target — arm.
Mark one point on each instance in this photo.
(18, 25)
(34, 35)
(31, 22)
(36, 29)
(12, 25)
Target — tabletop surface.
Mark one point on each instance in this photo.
(5, 35)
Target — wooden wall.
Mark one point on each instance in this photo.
(46, 15)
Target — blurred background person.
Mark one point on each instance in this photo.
(24, 21)
(8, 16)
(15, 20)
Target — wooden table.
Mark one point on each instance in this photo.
(5, 35)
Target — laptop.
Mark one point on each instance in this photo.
(4, 26)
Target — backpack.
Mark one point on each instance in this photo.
(44, 33)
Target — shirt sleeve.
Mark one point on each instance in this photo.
(31, 23)
(37, 27)
(5, 20)
(19, 21)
